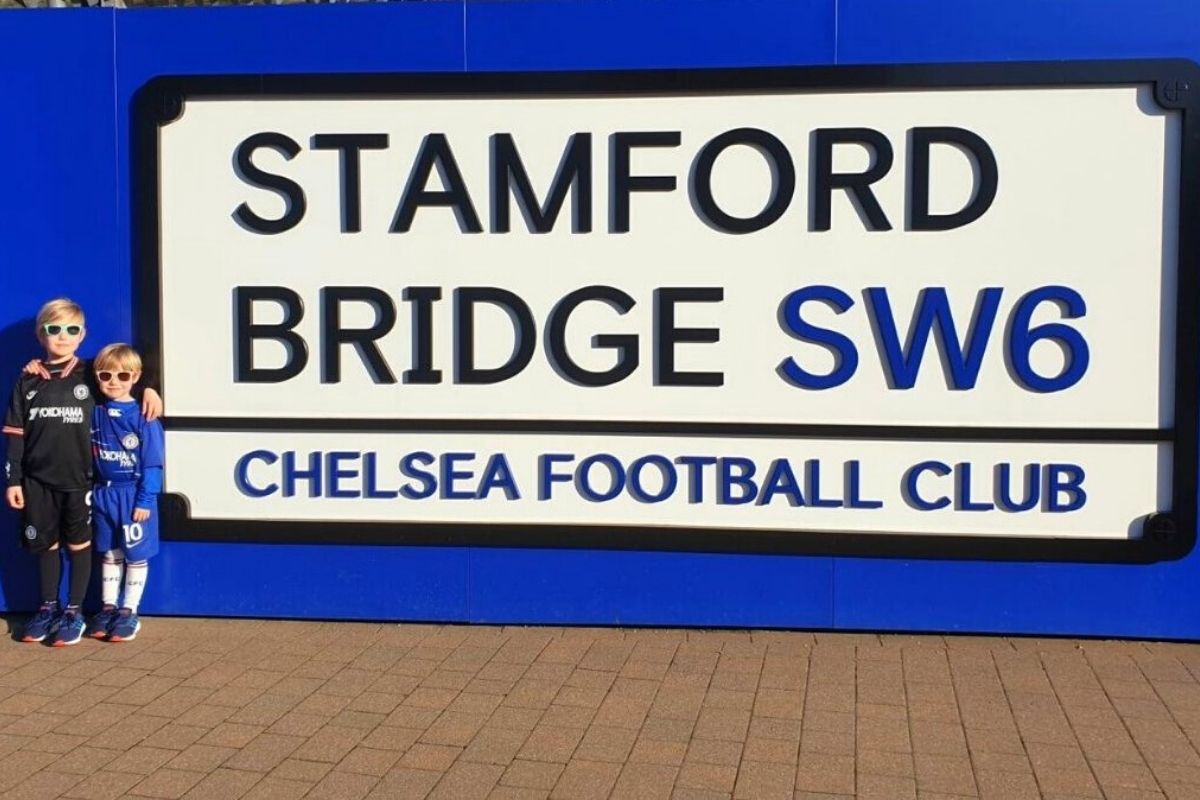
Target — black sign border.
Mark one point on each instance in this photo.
(1167, 536)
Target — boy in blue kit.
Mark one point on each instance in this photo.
(127, 453)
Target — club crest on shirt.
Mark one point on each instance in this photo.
(81, 392)
(30, 533)
(130, 441)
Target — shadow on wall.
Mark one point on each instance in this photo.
(18, 573)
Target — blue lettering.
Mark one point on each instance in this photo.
(903, 364)
(312, 475)
(781, 480)
(665, 468)
(1004, 495)
(1023, 338)
(913, 497)
(334, 474)
(813, 468)
(498, 475)
(852, 479)
(450, 476)
(241, 474)
(583, 483)
(841, 346)
(695, 468)
(1064, 479)
(743, 480)
(409, 469)
(546, 475)
(963, 479)
(370, 485)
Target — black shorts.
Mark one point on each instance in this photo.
(53, 514)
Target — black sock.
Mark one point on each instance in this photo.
(81, 574)
(50, 567)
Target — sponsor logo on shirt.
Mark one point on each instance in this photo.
(69, 414)
(114, 412)
(121, 457)
(31, 394)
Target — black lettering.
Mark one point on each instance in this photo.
(286, 188)
(858, 184)
(348, 146)
(465, 300)
(246, 332)
(422, 299)
(624, 343)
(623, 183)
(666, 335)
(435, 152)
(333, 335)
(509, 176)
(986, 178)
(783, 179)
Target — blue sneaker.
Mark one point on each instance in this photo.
(102, 623)
(43, 624)
(126, 627)
(70, 628)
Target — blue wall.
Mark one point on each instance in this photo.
(65, 229)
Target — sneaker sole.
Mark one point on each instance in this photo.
(115, 638)
(64, 642)
(30, 639)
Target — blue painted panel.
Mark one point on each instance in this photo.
(884, 31)
(600, 34)
(67, 229)
(1156, 601)
(640, 588)
(58, 205)
(266, 580)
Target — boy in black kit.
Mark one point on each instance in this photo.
(49, 467)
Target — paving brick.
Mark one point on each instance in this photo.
(467, 780)
(709, 777)
(551, 743)
(817, 772)
(343, 786)
(430, 757)
(225, 784)
(760, 779)
(167, 783)
(644, 782)
(886, 787)
(531, 774)
(104, 785)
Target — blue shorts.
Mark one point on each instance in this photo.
(113, 525)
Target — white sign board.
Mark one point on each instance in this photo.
(930, 309)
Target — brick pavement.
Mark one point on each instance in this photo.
(232, 709)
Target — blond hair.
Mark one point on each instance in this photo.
(118, 356)
(61, 309)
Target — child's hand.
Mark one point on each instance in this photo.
(34, 367)
(140, 514)
(152, 406)
(16, 497)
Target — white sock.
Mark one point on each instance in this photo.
(135, 582)
(110, 576)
